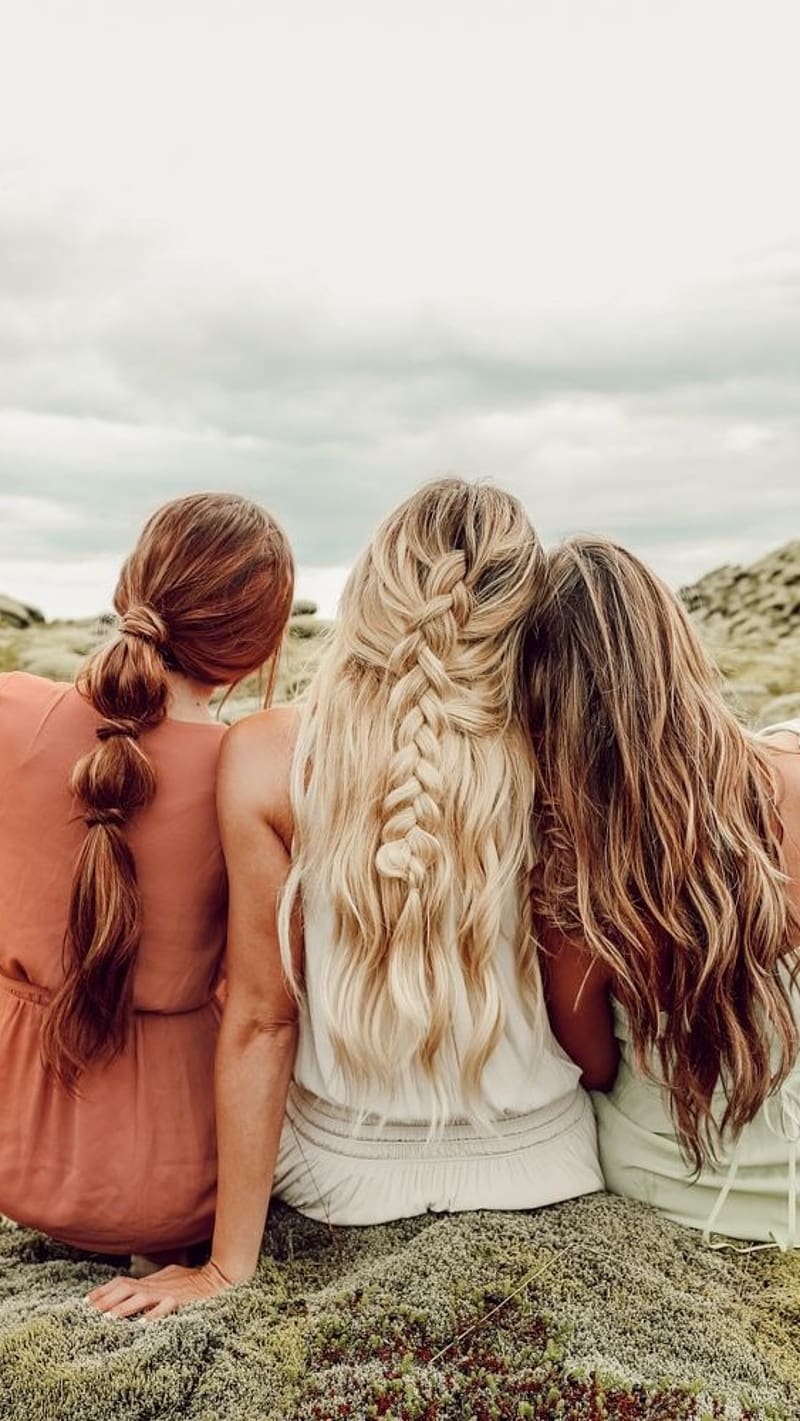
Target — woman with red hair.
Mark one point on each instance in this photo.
(113, 890)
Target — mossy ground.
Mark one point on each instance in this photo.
(592, 1309)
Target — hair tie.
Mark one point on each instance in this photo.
(143, 622)
(112, 728)
(104, 817)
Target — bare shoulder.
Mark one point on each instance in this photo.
(264, 734)
(255, 768)
(783, 753)
(782, 748)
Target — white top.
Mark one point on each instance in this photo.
(537, 1146)
(528, 1071)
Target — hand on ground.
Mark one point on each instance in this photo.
(158, 1294)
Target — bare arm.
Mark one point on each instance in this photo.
(782, 748)
(577, 991)
(258, 1036)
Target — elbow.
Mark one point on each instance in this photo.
(278, 1030)
(600, 1076)
(253, 1028)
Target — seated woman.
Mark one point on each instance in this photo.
(113, 890)
(668, 895)
(422, 1074)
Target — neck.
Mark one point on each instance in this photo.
(188, 699)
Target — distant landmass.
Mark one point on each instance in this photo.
(748, 617)
(56, 649)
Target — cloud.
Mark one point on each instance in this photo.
(235, 253)
(664, 426)
(118, 332)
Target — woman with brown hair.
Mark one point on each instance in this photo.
(113, 889)
(667, 895)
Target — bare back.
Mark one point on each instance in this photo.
(783, 748)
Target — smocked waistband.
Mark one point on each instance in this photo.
(27, 991)
(338, 1130)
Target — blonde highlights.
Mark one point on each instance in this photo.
(659, 844)
(411, 788)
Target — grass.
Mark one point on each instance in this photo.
(591, 1309)
(9, 657)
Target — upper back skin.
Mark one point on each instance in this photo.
(783, 750)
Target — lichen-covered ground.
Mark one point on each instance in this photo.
(592, 1309)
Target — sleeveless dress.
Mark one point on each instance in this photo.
(752, 1194)
(129, 1164)
(538, 1147)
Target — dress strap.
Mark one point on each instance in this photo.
(719, 1203)
(792, 726)
(782, 1117)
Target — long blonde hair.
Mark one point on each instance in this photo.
(659, 844)
(411, 787)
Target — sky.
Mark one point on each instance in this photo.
(320, 253)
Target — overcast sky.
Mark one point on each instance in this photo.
(320, 252)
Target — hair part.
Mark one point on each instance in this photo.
(659, 842)
(207, 591)
(411, 788)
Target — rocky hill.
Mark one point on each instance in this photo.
(749, 618)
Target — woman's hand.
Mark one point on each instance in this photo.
(159, 1293)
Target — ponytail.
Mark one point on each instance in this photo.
(207, 592)
(88, 1017)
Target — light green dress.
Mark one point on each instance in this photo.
(752, 1194)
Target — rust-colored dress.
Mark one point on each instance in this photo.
(129, 1165)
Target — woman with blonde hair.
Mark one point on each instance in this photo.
(113, 889)
(667, 895)
(402, 1030)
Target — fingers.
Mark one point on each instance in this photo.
(157, 1295)
(137, 1302)
(162, 1309)
(109, 1294)
(125, 1297)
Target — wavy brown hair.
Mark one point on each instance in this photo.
(206, 592)
(411, 789)
(659, 842)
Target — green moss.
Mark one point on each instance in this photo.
(591, 1309)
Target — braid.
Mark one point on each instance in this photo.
(412, 863)
(411, 790)
(417, 708)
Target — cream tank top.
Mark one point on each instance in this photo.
(537, 1145)
(751, 1194)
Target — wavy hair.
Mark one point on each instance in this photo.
(411, 788)
(659, 842)
(206, 592)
